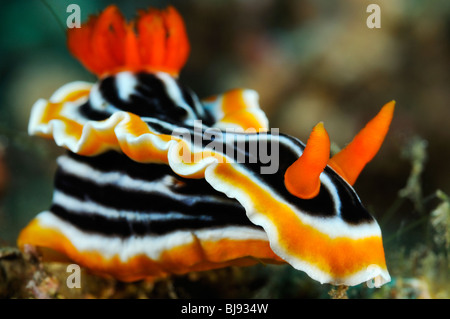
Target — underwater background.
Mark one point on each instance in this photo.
(310, 61)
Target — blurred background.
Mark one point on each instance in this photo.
(310, 61)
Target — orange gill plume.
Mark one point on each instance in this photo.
(302, 178)
(107, 44)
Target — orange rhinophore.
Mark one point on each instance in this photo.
(350, 161)
(302, 177)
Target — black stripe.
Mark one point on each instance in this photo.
(86, 110)
(136, 200)
(94, 223)
(352, 210)
(114, 161)
(117, 162)
(150, 100)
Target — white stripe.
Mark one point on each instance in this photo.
(97, 102)
(149, 245)
(125, 83)
(122, 180)
(154, 120)
(89, 207)
(174, 93)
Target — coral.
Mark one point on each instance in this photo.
(415, 151)
(440, 219)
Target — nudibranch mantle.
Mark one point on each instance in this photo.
(136, 198)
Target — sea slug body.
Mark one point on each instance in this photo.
(149, 186)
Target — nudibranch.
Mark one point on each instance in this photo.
(157, 182)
